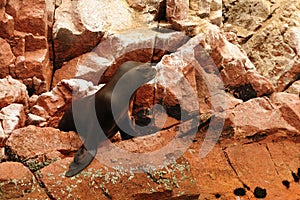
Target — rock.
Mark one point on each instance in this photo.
(72, 33)
(269, 173)
(251, 85)
(88, 66)
(151, 10)
(51, 102)
(35, 70)
(137, 45)
(294, 88)
(3, 137)
(274, 47)
(32, 100)
(3, 3)
(247, 15)
(177, 9)
(173, 74)
(238, 73)
(7, 58)
(12, 91)
(26, 20)
(17, 182)
(70, 40)
(29, 44)
(12, 117)
(201, 8)
(211, 170)
(36, 120)
(18, 46)
(35, 43)
(39, 111)
(51, 105)
(6, 24)
(285, 162)
(101, 182)
(30, 145)
(289, 106)
(284, 112)
(210, 9)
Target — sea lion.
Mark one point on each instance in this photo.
(110, 105)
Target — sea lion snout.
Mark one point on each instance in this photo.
(151, 72)
(147, 72)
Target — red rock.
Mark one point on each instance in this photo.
(289, 76)
(6, 24)
(35, 43)
(51, 102)
(256, 167)
(3, 138)
(88, 66)
(12, 91)
(284, 156)
(212, 173)
(177, 9)
(39, 111)
(101, 182)
(71, 37)
(263, 119)
(93, 66)
(17, 182)
(2, 153)
(251, 85)
(191, 25)
(137, 45)
(237, 71)
(32, 100)
(30, 16)
(38, 63)
(34, 143)
(35, 70)
(201, 8)
(12, 117)
(29, 44)
(289, 106)
(18, 46)
(294, 88)
(51, 105)
(36, 120)
(176, 84)
(3, 3)
(7, 58)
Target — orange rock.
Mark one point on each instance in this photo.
(12, 91)
(7, 58)
(34, 142)
(17, 182)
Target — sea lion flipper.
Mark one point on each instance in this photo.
(81, 160)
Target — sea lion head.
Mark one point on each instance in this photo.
(136, 72)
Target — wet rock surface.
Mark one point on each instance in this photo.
(219, 121)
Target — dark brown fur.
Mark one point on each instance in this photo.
(127, 78)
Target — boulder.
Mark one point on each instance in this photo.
(7, 58)
(17, 182)
(30, 145)
(274, 48)
(274, 118)
(12, 91)
(12, 117)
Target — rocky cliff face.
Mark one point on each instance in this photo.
(225, 124)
